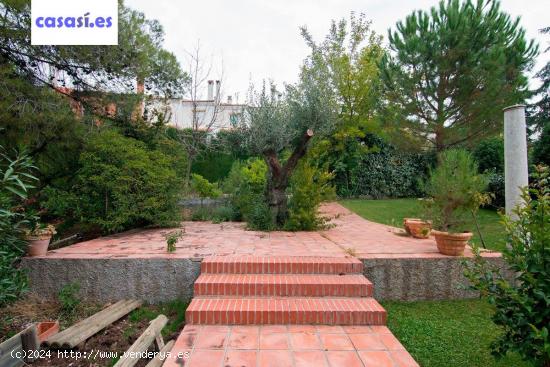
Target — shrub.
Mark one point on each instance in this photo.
(246, 185)
(496, 188)
(541, 147)
(121, 184)
(223, 213)
(204, 188)
(16, 180)
(213, 165)
(455, 190)
(383, 172)
(258, 216)
(522, 304)
(308, 188)
(489, 154)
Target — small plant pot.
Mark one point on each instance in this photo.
(38, 247)
(46, 329)
(452, 244)
(406, 224)
(419, 228)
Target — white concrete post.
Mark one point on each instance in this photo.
(515, 156)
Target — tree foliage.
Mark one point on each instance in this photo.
(138, 56)
(451, 72)
(120, 185)
(16, 180)
(348, 59)
(522, 304)
(539, 115)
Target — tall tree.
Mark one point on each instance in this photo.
(205, 110)
(452, 70)
(348, 60)
(539, 114)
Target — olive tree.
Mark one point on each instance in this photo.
(279, 127)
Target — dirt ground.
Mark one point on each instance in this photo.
(97, 351)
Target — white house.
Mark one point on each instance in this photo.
(210, 114)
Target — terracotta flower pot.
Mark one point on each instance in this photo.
(38, 247)
(406, 225)
(46, 329)
(452, 244)
(419, 228)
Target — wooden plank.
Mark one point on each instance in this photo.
(143, 342)
(84, 325)
(12, 345)
(84, 329)
(159, 359)
(62, 335)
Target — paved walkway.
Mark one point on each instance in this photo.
(288, 345)
(351, 232)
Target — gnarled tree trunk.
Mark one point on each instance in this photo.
(279, 178)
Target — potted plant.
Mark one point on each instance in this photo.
(39, 238)
(455, 190)
(418, 228)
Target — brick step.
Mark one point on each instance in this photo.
(281, 265)
(262, 285)
(262, 311)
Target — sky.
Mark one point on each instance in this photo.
(253, 40)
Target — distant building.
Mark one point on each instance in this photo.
(227, 113)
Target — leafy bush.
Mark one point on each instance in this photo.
(246, 185)
(213, 165)
(308, 188)
(204, 188)
(541, 147)
(259, 217)
(223, 213)
(121, 184)
(522, 304)
(496, 188)
(455, 190)
(383, 172)
(489, 154)
(16, 180)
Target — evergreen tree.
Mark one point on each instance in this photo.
(539, 115)
(452, 71)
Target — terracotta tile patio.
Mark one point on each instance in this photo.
(288, 345)
(201, 239)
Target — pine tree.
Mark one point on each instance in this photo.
(539, 115)
(452, 70)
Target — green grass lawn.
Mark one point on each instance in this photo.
(448, 333)
(392, 212)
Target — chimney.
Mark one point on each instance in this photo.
(210, 90)
(229, 100)
(140, 85)
(218, 89)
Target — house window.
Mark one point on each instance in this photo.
(234, 119)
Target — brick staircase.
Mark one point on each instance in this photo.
(241, 290)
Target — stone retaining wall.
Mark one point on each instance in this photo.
(414, 279)
(159, 280)
(103, 280)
